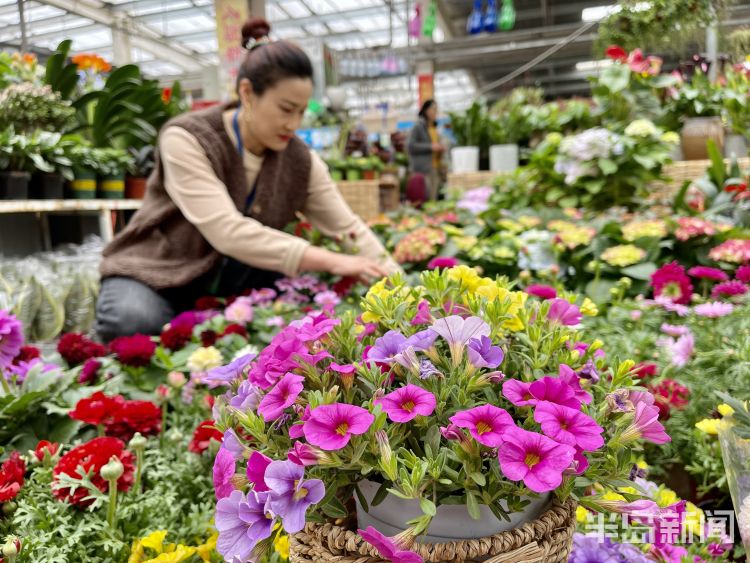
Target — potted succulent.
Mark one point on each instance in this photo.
(453, 409)
(19, 156)
(112, 166)
(142, 165)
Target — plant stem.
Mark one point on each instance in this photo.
(100, 430)
(163, 425)
(112, 509)
(6, 387)
(138, 470)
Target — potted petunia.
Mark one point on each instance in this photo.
(456, 419)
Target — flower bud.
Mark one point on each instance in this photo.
(10, 549)
(113, 470)
(627, 283)
(137, 442)
(174, 435)
(176, 379)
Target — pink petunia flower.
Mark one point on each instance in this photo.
(541, 291)
(389, 548)
(533, 458)
(282, 396)
(330, 427)
(569, 426)
(552, 389)
(713, 310)
(423, 315)
(646, 425)
(569, 376)
(223, 471)
(563, 312)
(707, 273)
(256, 471)
(406, 403)
(486, 423)
(303, 454)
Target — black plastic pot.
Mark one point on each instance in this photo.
(46, 186)
(14, 185)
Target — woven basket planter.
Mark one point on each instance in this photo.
(548, 539)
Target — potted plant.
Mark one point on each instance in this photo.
(27, 107)
(142, 165)
(336, 168)
(736, 109)
(371, 168)
(84, 170)
(49, 184)
(448, 425)
(472, 132)
(354, 167)
(19, 156)
(112, 166)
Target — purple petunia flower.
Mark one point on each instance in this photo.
(591, 549)
(387, 347)
(482, 354)
(290, 496)
(231, 443)
(588, 371)
(423, 340)
(427, 370)
(225, 375)
(247, 398)
(11, 338)
(458, 331)
(242, 523)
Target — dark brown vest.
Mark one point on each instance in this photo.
(162, 249)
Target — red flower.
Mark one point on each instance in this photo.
(76, 348)
(302, 229)
(668, 395)
(644, 370)
(135, 416)
(235, 329)
(671, 281)
(207, 303)
(617, 53)
(11, 477)
(736, 187)
(743, 274)
(89, 371)
(27, 354)
(135, 351)
(45, 446)
(98, 408)
(92, 456)
(166, 95)
(176, 338)
(344, 286)
(209, 338)
(202, 436)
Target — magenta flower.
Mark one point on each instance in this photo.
(223, 471)
(406, 403)
(290, 496)
(442, 262)
(743, 273)
(302, 454)
(278, 358)
(569, 376)
(458, 331)
(640, 510)
(486, 423)
(646, 425)
(541, 291)
(482, 354)
(714, 310)
(706, 273)
(295, 430)
(682, 350)
(423, 315)
(579, 465)
(256, 471)
(536, 460)
(388, 548)
(331, 426)
(281, 397)
(387, 347)
(311, 329)
(518, 393)
(560, 311)
(569, 426)
(242, 523)
(729, 289)
(552, 389)
(11, 338)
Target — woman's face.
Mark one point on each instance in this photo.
(273, 117)
(432, 112)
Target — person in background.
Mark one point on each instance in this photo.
(425, 150)
(227, 180)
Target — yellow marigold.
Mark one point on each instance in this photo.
(666, 497)
(709, 426)
(281, 545)
(642, 229)
(582, 515)
(204, 359)
(725, 410)
(623, 255)
(694, 519)
(589, 308)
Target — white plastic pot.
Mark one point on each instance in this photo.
(465, 159)
(735, 146)
(503, 158)
(451, 523)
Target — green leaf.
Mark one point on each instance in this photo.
(334, 508)
(640, 271)
(380, 495)
(427, 506)
(361, 498)
(478, 478)
(472, 505)
(607, 166)
(598, 291)
(616, 78)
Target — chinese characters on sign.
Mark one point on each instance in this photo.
(230, 15)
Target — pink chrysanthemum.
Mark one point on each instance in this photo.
(706, 273)
(671, 281)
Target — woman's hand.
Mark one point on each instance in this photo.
(437, 147)
(320, 260)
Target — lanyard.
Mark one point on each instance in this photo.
(236, 126)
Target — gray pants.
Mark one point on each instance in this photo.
(127, 306)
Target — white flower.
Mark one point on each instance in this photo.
(641, 128)
(244, 351)
(204, 359)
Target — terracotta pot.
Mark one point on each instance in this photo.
(135, 187)
(369, 174)
(696, 132)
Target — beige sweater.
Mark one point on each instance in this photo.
(204, 201)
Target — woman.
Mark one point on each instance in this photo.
(227, 180)
(425, 150)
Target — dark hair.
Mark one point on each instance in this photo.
(266, 63)
(425, 106)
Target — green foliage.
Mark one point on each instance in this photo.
(61, 75)
(26, 108)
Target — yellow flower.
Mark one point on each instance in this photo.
(465, 243)
(517, 301)
(529, 221)
(570, 234)
(611, 495)
(281, 545)
(642, 229)
(155, 540)
(725, 410)
(204, 359)
(136, 552)
(181, 553)
(670, 137)
(709, 426)
(641, 128)
(666, 497)
(694, 519)
(629, 491)
(581, 515)
(205, 550)
(641, 463)
(510, 225)
(623, 255)
(589, 308)
(468, 278)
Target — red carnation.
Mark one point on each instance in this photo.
(202, 436)
(89, 371)
(27, 354)
(235, 329)
(132, 417)
(76, 348)
(176, 338)
(672, 282)
(207, 303)
(98, 408)
(644, 370)
(45, 446)
(617, 53)
(209, 338)
(92, 456)
(135, 351)
(11, 477)
(668, 395)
